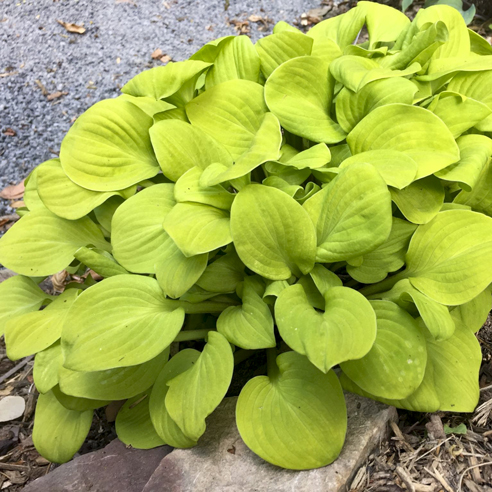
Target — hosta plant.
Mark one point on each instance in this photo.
(319, 198)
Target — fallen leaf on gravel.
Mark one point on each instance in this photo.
(17, 204)
(13, 192)
(70, 27)
(10, 132)
(6, 222)
(255, 18)
(11, 408)
(156, 54)
(42, 87)
(56, 95)
(165, 59)
(242, 27)
(8, 74)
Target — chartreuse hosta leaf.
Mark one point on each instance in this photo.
(450, 258)
(197, 228)
(421, 200)
(396, 168)
(475, 153)
(237, 59)
(113, 384)
(352, 215)
(142, 245)
(479, 45)
(295, 417)
(272, 233)
(388, 257)
(435, 316)
(47, 363)
(189, 189)
(395, 365)
(58, 432)
(195, 393)
(41, 243)
(122, 321)
(133, 424)
(480, 197)
(265, 146)
(231, 113)
(355, 72)
(280, 47)
(31, 195)
(104, 213)
(32, 332)
(451, 376)
(67, 199)
(345, 330)
(100, 261)
(474, 313)
(415, 131)
(180, 146)
(460, 113)
(148, 105)
(19, 295)
(313, 158)
(108, 148)
(164, 82)
(224, 274)
(77, 404)
(165, 426)
(352, 106)
(299, 93)
(249, 326)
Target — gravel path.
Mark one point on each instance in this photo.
(37, 52)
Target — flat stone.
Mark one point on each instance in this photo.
(115, 468)
(222, 463)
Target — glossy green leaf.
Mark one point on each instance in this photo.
(352, 215)
(41, 243)
(295, 418)
(99, 261)
(108, 147)
(272, 233)
(163, 82)
(231, 113)
(394, 367)
(280, 47)
(469, 171)
(19, 295)
(420, 201)
(300, 93)
(180, 146)
(58, 432)
(32, 332)
(113, 384)
(412, 130)
(435, 316)
(46, 366)
(473, 314)
(313, 158)
(355, 72)
(133, 424)
(345, 330)
(236, 59)
(77, 404)
(164, 425)
(352, 107)
(197, 228)
(223, 275)
(65, 198)
(195, 393)
(396, 168)
(249, 326)
(119, 322)
(389, 257)
(450, 258)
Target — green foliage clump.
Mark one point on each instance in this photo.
(326, 201)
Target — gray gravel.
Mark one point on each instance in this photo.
(120, 37)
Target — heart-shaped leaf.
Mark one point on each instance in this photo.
(99, 261)
(345, 330)
(272, 233)
(473, 314)
(46, 366)
(108, 148)
(480, 198)
(296, 404)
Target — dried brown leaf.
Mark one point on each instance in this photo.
(13, 192)
(42, 87)
(59, 280)
(56, 95)
(10, 132)
(255, 18)
(17, 204)
(156, 54)
(70, 27)
(165, 59)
